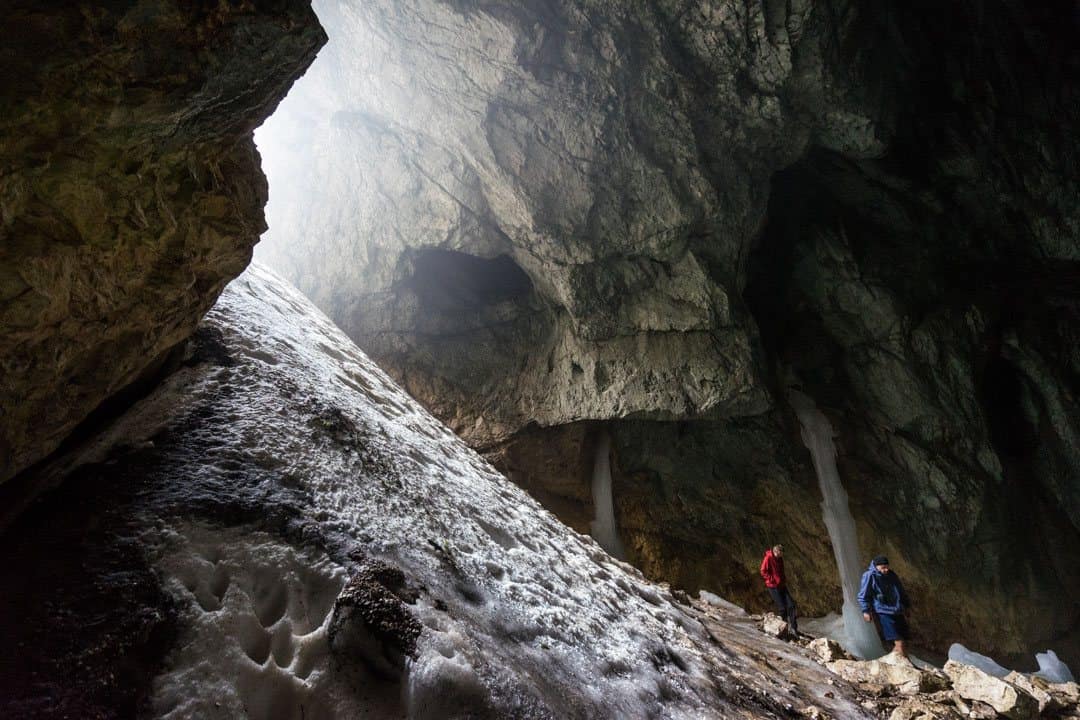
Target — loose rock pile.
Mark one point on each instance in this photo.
(899, 690)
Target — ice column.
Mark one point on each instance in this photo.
(817, 435)
(603, 527)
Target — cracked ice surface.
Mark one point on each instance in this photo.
(521, 616)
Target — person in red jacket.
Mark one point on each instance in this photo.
(772, 572)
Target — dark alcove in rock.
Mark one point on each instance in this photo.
(454, 282)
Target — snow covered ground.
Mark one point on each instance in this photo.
(334, 551)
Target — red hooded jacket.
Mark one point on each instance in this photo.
(772, 570)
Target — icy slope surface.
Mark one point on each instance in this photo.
(334, 551)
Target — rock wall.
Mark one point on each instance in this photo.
(610, 162)
(130, 189)
(930, 300)
(696, 501)
(660, 215)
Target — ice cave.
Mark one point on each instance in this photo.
(448, 359)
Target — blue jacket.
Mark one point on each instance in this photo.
(882, 592)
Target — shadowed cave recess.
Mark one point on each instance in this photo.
(603, 245)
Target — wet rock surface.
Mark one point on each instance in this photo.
(130, 187)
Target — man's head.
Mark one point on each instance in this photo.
(778, 550)
(881, 563)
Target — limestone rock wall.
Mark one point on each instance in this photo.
(130, 189)
(614, 157)
(696, 502)
(659, 215)
(929, 300)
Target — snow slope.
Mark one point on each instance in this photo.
(336, 552)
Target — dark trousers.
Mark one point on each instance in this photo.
(785, 605)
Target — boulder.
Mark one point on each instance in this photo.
(131, 190)
(827, 650)
(891, 671)
(1034, 686)
(775, 626)
(1006, 698)
(1064, 698)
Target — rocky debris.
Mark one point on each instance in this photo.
(827, 650)
(1007, 699)
(982, 711)
(809, 690)
(775, 626)
(1067, 695)
(918, 708)
(130, 186)
(907, 692)
(891, 671)
(1036, 687)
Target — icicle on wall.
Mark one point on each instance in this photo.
(603, 527)
(817, 435)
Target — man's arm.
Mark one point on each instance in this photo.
(764, 568)
(864, 596)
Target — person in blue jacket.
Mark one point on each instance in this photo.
(882, 594)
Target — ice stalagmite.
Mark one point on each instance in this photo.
(817, 435)
(603, 526)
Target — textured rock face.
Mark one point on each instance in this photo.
(130, 189)
(1007, 699)
(898, 674)
(549, 223)
(699, 502)
(695, 502)
(929, 300)
(826, 650)
(536, 214)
